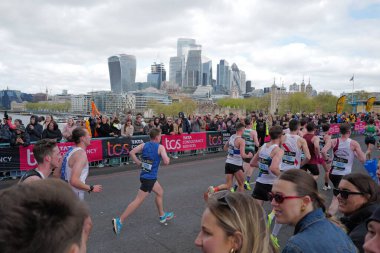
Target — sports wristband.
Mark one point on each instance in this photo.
(91, 189)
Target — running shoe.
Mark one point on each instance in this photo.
(326, 188)
(247, 186)
(210, 190)
(167, 216)
(274, 240)
(232, 189)
(116, 225)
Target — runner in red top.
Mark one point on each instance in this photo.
(313, 145)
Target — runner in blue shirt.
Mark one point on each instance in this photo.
(151, 154)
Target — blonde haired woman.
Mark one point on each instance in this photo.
(233, 223)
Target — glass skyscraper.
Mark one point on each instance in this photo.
(223, 77)
(122, 69)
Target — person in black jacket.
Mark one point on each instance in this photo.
(34, 129)
(104, 128)
(186, 128)
(52, 132)
(20, 137)
(358, 197)
(5, 132)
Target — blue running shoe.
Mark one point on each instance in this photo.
(167, 216)
(116, 225)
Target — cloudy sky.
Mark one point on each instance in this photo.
(65, 44)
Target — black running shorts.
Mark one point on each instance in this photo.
(147, 184)
(369, 140)
(232, 168)
(335, 179)
(247, 160)
(261, 191)
(313, 168)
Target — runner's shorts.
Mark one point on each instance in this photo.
(335, 179)
(232, 168)
(261, 191)
(369, 140)
(247, 160)
(147, 184)
(313, 168)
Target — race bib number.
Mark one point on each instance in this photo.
(264, 166)
(289, 157)
(339, 163)
(146, 165)
(302, 156)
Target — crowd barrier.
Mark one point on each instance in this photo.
(14, 161)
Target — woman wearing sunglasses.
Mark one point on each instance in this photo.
(233, 223)
(296, 202)
(358, 197)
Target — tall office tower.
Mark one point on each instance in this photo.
(193, 72)
(157, 75)
(223, 77)
(183, 43)
(175, 70)
(122, 69)
(192, 75)
(242, 82)
(236, 78)
(248, 86)
(206, 71)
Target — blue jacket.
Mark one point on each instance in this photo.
(316, 234)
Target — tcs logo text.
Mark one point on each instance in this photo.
(172, 144)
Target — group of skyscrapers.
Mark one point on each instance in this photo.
(187, 70)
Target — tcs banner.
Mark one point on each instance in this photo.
(182, 142)
(27, 161)
(334, 129)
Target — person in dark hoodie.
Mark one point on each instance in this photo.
(34, 129)
(186, 128)
(20, 137)
(52, 132)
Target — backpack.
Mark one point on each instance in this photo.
(260, 126)
(30, 173)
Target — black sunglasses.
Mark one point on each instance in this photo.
(280, 198)
(344, 193)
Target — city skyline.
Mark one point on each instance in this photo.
(328, 41)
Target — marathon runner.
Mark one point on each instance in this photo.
(293, 145)
(251, 143)
(344, 151)
(48, 158)
(313, 144)
(325, 137)
(75, 166)
(234, 162)
(268, 160)
(303, 122)
(371, 132)
(152, 152)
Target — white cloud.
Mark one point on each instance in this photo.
(65, 44)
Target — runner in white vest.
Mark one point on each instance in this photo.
(234, 162)
(293, 145)
(344, 151)
(268, 160)
(76, 165)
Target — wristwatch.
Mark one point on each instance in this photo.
(91, 189)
